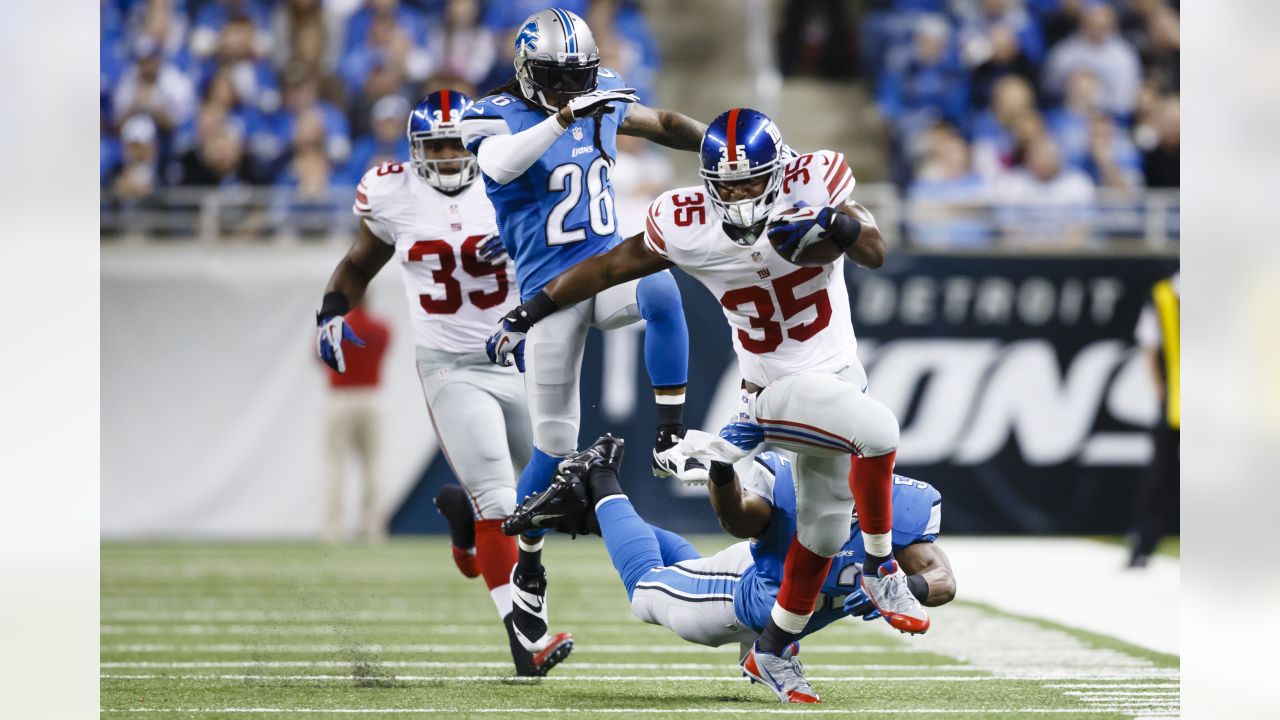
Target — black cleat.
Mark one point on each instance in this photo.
(530, 664)
(563, 506)
(668, 437)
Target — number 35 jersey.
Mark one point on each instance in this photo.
(561, 210)
(784, 318)
(455, 299)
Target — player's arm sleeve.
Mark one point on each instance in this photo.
(760, 480)
(502, 155)
(934, 526)
(364, 207)
(836, 176)
(654, 237)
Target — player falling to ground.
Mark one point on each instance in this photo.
(727, 597)
(794, 341)
(546, 143)
(438, 223)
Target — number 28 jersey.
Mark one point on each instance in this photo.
(455, 299)
(784, 318)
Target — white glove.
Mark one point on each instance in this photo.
(491, 250)
(329, 337)
(597, 102)
(705, 447)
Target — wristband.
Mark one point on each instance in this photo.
(844, 230)
(334, 303)
(532, 310)
(720, 473)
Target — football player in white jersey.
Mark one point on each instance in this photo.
(436, 221)
(794, 339)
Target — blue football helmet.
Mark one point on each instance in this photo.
(555, 53)
(436, 117)
(743, 144)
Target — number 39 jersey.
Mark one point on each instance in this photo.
(455, 299)
(784, 319)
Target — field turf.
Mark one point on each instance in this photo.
(293, 630)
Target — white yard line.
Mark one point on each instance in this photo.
(143, 665)
(1032, 576)
(372, 648)
(515, 711)
(565, 678)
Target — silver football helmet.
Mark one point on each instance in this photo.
(555, 53)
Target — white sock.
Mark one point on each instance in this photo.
(502, 599)
(535, 546)
(669, 399)
(787, 620)
(878, 544)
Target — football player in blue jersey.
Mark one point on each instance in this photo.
(727, 597)
(545, 143)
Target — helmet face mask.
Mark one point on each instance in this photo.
(556, 58)
(436, 153)
(742, 145)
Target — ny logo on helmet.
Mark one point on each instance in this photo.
(528, 36)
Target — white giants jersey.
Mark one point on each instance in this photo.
(455, 299)
(784, 318)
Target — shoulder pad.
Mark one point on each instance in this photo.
(378, 183)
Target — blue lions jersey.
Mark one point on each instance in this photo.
(917, 514)
(561, 211)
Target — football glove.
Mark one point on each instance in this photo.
(492, 250)
(506, 347)
(332, 331)
(710, 448)
(598, 102)
(857, 604)
(795, 232)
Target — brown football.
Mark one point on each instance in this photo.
(822, 252)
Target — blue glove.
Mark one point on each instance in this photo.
(492, 250)
(743, 435)
(794, 232)
(332, 331)
(857, 604)
(506, 347)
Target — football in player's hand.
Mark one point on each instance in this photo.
(796, 234)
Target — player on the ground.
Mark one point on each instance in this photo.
(727, 597)
(546, 143)
(802, 380)
(437, 222)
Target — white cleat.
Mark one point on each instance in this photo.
(889, 593)
(783, 674)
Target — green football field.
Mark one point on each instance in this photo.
(292, 630)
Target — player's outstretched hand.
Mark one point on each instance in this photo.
(492, 250)
(332, 331)
(736, 441)
(598, 102)
(506, 347)
(793, 232)
(857, 604)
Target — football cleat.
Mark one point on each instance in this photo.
(783, 674)
(529, 610)
(672, 464)
(452, 502)
(529, 664)
(889, 594)
(563, 506)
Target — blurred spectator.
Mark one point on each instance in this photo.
(254, 79)
(165, 22)
(460, 46)
(1069, 123)
(1112, 160)
(944, 183)
(1161, 160)
(1059, 18)
(1152, 27)
(353, 426)
(136, 179)
(385, 50)
(994, 144)
(217, 160)
(386, 141)
(977, 45)
(1097, 47)
(212, 16)
(922, 86)
(292, 19)
(1006, 58)
(305, 201)
(302, 98)
(1044, 202)
(888, 25)
(642, 173)
(153, 86)
(625, 45)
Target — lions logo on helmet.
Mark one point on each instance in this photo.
(556, 58)
(742, 145)
(434, 119)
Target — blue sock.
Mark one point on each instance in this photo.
(632, 546)
(536, 477)
(673, 547)
(666, 338)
